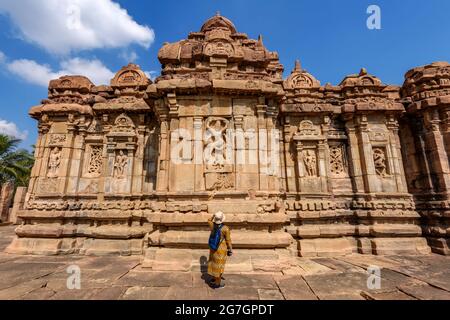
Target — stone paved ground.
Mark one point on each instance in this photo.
(402, 277)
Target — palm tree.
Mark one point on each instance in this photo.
(15, 164)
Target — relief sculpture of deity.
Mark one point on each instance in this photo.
(216, 143)
(54, 162)
(310, 161)
(120, 165)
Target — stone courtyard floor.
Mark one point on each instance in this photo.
(402, 278)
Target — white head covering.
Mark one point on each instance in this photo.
(219, 217)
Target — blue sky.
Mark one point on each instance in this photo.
(330, 38)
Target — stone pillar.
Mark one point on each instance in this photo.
(6, 196)
(18, 204)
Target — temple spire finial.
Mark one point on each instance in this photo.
(363, 72)
(298, 66)
(217, 13)
(260, 41)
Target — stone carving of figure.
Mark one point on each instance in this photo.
(379, 159)
(54, 162)
(224, 181)
(310, 161)
(216, 143)
(120, 165)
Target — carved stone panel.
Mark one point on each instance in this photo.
(338, 160)
(219, 48)
(54, 162)
(380, 161)
(219, 181)
(57, 139)
(91, 188)
(219, 168)
(216, 144)
(310, 162)
(95, 160)
(48, 186)
(120, 165)
(94, 127)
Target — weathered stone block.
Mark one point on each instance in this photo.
(324, 247)
(391, 246)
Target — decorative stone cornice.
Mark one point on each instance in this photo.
(427, 86)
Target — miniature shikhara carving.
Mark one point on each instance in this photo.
(351, 165)
(123, 123)
(307, 128)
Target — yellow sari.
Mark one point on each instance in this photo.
(218, 258)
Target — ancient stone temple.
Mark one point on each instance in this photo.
(298, 168)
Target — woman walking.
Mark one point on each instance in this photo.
(220, 247)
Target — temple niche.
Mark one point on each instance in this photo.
(299, 168)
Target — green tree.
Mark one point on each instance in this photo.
(15, 163)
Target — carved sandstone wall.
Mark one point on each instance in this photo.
(120, 169)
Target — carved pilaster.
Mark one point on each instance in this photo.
(199, 181)
(263, 151)
(356, 172)
(164, 154)
(394, 139)
(436, 149)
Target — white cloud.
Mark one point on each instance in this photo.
(32, 72)
(64, 26)
(151, 74)
(129, 56)
(39, 74)
(2, 57)
(10, 129)
(93, 69)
